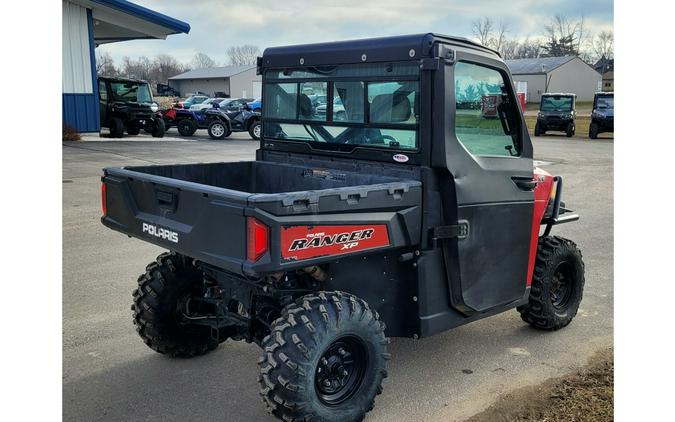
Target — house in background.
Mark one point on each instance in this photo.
(605, 67)
(87, 24)
(556, 74)
(233, 81)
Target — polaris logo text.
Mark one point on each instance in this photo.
(162, 233)
(348, 240)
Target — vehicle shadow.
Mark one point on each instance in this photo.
(222, 386)
(219, 386)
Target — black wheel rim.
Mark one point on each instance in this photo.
(562, 286)
(340, 370)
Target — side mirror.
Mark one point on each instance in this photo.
(215, 105)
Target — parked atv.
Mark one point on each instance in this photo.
(602, 117)
(556, 112)
(342, 233)
(219, 123)
(127, 105)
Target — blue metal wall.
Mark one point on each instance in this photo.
(81, 110)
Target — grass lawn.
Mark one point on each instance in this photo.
(582, 123)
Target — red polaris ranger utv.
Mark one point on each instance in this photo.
(412, 209)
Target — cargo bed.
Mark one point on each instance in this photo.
(203, 210)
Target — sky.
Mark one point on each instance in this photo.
(219, 24)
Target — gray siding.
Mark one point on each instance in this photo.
(536, 85)
(576, 77)
(209, 86)
(242, 84)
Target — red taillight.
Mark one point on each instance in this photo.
(257, 239)
(104, 199)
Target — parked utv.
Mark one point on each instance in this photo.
(602, 117)
(556, 112)
(127, 105)
(219, 123)
(416, 211)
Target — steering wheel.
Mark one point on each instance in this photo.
(389, 137)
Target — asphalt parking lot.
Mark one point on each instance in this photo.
(110, 375)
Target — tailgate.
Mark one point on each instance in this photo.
(210, 223)
(201, 221)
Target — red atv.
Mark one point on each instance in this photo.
(409, 215)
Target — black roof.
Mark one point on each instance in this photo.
(385, 49)
(117, 79)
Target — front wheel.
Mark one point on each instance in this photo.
(569, 131)
(254, 130)
(593, 130)
(159, 129)
(324, 359)
(218, 129)
(537, 129)
(557, 284)
(116, 126)
(160, 301)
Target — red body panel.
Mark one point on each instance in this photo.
(305, 242)
(542, 193)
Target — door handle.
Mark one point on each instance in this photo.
(526, 184)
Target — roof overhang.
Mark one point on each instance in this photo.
(120, 20)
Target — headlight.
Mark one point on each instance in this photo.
(154, 107)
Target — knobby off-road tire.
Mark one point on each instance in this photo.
(218, 130)
(186, 127)
(569, 131)
(116, 126)
(557, 284)
(159, 129)
(324, 359)
(254, 130)
(593, 130)
(161, 290)
(537, 129)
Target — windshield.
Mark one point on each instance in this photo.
(605, 102)
(137, 92)
(372, 106)
(556, 103)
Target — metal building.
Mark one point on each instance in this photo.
(234, 81)
(87, 24)
(556, 74)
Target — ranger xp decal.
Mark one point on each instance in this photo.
(160, 232)
(305, 242)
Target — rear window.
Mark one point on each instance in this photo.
(369, 106)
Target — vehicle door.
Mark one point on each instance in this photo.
(489, 188)
(103, 102)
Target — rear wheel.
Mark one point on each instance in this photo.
(158, 131)
(557, 284)
(218, 129)
(569, 131)
(186, 127)
(537, 129)
(324, 359)
(160, 301)
(254, 130)
(116, 126)
(593, 131)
